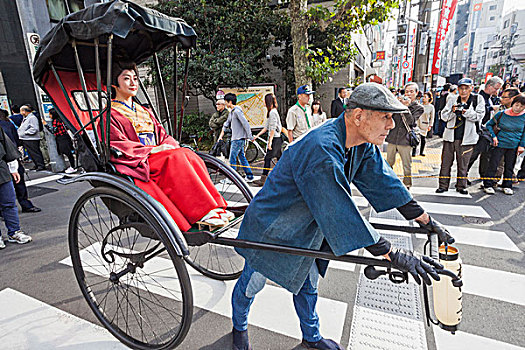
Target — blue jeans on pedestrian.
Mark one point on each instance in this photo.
(251, 282)
(9, 208)
(237, 150)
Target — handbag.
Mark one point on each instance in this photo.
(412, 137)
(496, 126)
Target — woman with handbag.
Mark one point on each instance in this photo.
(426, 121)
(508, 134)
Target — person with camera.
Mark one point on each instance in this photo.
(398, 141)
(460, 136)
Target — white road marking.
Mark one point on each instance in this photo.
(42, 180)
(428, 191)
(503, 285)
(466, 235)
(28, 323)
(272, 309)
(459, 341)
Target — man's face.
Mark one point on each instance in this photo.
(374, 126)
(220, 106)
(411, 92)
(229, 104)
(506, 100)
(465, 90)
(23, 111)
(303, 99)
(492, 89)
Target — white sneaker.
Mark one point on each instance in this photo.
(70, 170)
(19, 237)
(489, 190)
(2, 244)
(508, 191)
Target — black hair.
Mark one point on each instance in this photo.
(446, 87)
(230, 97)
(4, 115)
(340, 89)
(54, 114)
(317, 102)
(15, 109)
(119, 66)
(511, 92)
(430, 97)
(520, 98)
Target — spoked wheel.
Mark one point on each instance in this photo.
(251, 152)
(129, 273)
(218, 261)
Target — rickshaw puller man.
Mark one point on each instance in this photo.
(306, 202)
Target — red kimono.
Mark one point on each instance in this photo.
(177, 178)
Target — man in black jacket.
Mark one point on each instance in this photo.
(338, 104)
(8, 173)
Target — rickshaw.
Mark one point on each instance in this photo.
(128, 255)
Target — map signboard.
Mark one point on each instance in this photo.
(251, 100)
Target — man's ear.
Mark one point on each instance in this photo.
(358, 116)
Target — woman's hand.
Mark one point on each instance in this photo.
(521, 150)
(495, 141)
(163, 147)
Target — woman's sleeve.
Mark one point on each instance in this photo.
(162, 136)
(490, 125)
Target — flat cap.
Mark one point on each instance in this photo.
(375, 97)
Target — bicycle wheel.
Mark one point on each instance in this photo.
(217, 261)
(250, 151)
(128, 272)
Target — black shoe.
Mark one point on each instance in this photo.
(469, 183)
(422, 154)
(441, 190)
(31, 210)
(323, 344)
(240, 340)
(40, 168)
(461, 190)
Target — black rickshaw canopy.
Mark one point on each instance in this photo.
(145, 31)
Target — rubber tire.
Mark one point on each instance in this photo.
(178, 263)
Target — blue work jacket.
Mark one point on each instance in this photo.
(307, 200)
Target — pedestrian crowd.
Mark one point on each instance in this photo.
(21, 133)
(488, 125)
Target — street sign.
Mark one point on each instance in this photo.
(406, 64)
(380, 55)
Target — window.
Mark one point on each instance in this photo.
(58, 9)
(492, 8)
(492, 18)
(506, 24)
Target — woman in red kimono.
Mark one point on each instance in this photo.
(173, 175)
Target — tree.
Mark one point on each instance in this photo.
(329, 28)
(234, 37)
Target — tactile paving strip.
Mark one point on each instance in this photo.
(388, 316)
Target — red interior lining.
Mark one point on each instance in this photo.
(71, 83)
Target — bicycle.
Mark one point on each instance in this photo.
(253, 149)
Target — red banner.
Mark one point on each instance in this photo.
(447, 12)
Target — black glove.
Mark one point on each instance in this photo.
(415, 264)
(443, 234)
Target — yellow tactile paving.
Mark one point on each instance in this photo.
(430, 162)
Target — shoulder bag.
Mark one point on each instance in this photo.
(412, 137)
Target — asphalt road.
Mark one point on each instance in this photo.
(493, 302)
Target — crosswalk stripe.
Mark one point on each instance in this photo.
(42, 180)
(430, 191)
(494, 284)
(272, 310)
(466, 235)
(440, 208)
(28, 323)
(459, 341)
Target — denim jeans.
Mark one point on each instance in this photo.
(251, 282)
(9, 208)
(237, 150)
